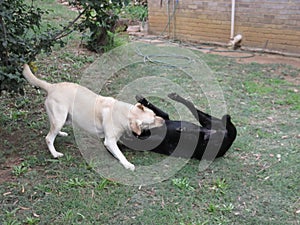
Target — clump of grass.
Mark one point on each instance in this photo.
(32, 220)
(183, 184)
(220, 186)
(76, 182)
(20, 169)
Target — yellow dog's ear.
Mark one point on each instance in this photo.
(136, 126)
(140, 106)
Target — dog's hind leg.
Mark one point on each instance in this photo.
(155, 109)
(57, 117)
(50, 143)
(68, 122)
(204, 119)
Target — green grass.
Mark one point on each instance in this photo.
(255, 183)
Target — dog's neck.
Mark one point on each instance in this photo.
(125, 113)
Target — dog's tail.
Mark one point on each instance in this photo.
(33, 80)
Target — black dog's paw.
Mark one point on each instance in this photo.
(141, 99)
(173, 96)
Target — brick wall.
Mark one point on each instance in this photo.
(271, 24)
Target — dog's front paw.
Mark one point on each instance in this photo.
(62, 134)
(58, 155)
(129, 166)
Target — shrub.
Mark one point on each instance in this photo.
(137, 12)
(100, 18)
(21, 40)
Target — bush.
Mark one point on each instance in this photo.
(137, 12)
(100, 18)
(20, 40)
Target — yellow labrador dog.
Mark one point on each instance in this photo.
(98, 115)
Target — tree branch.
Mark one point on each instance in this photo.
(61, 33)
(5, 40)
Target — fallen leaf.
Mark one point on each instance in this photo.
(36, 215)
(7, 193)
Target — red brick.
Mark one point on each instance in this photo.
(259, 21)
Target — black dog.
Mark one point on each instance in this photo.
(184, 139)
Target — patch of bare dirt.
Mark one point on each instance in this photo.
(249, 57)
(7, 162)
(271, 58)
(6, 168)
(295, 80)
